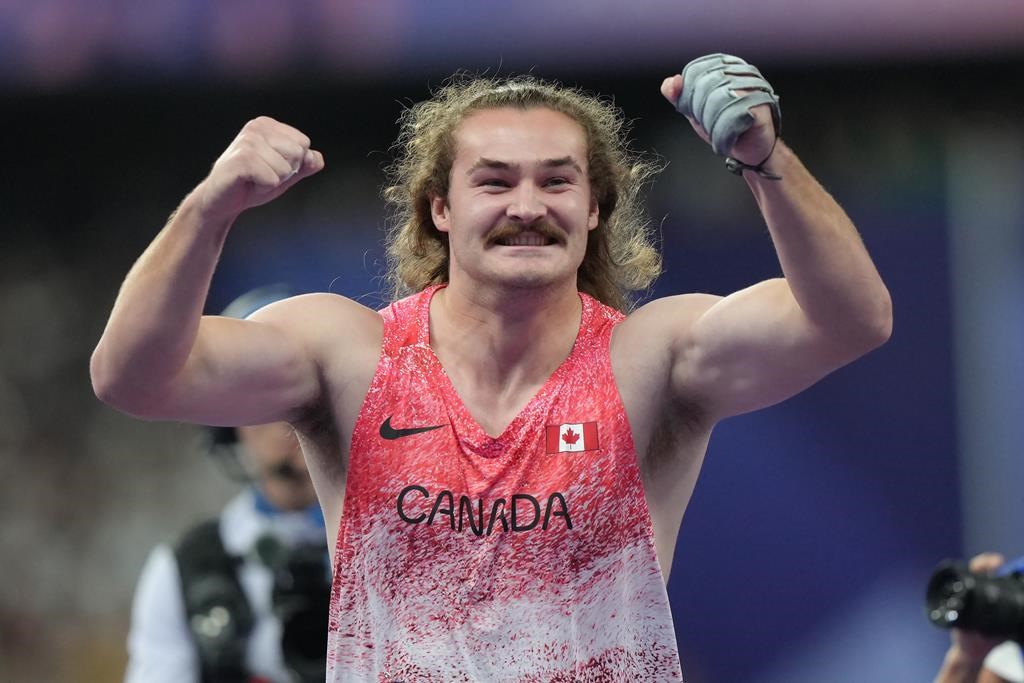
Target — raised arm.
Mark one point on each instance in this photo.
(765, 343)
(159, 357)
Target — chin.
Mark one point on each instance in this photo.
(527, 275)
(527, 279)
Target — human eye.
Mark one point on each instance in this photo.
(493, 182)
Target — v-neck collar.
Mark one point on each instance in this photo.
(472, 435)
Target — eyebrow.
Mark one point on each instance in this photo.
(484, 162)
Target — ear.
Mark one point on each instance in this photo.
(439, 213)
(592, 218)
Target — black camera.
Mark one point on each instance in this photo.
(992, 605)
(301, 600)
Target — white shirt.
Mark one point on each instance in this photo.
(1006, 661)
(160, 646)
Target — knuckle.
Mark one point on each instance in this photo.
(259, 125)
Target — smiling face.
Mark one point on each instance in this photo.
(519, 204)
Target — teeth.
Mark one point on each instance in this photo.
(525, 240)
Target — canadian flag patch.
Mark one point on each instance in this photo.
(568, 438)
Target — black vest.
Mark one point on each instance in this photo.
(221, 620)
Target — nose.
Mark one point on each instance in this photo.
(526, 205)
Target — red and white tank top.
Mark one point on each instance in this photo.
(525, 557)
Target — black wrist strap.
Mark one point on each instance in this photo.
(737, 167)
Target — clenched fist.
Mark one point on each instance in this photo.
(730, 105)
(264, 160)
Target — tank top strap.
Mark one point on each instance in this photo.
(423, 314)
(596, 325)
(407, 321)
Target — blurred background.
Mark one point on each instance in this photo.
(815, 525)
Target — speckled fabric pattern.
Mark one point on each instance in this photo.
(464, 557)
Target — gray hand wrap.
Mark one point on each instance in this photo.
(709, 97)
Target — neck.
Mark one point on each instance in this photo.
(514, 336)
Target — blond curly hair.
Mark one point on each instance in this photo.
(620, 259)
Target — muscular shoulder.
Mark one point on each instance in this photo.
(342, 336)
(662, 327)
(325, 323)
(646, 348)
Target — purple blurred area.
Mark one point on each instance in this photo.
(67, 43)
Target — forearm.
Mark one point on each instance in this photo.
(823, 258)
(154, 323)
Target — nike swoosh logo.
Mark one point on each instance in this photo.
(391, 433)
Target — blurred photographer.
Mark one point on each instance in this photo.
(242, 598)
(974, 657)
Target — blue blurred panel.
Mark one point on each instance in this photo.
(878, 637)
(803, 508)
(344, 257)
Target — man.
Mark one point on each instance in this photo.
(236, 597)
(974, 657)
(517, 455)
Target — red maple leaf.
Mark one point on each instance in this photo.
(570, 437)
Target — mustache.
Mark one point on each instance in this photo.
(509, 229)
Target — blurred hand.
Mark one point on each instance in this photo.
(753, 146)
(264, 160)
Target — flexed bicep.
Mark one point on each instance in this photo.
(750, 350)
(243, 372)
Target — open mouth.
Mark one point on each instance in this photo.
(526, 239)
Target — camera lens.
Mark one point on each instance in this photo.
(993, 605)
